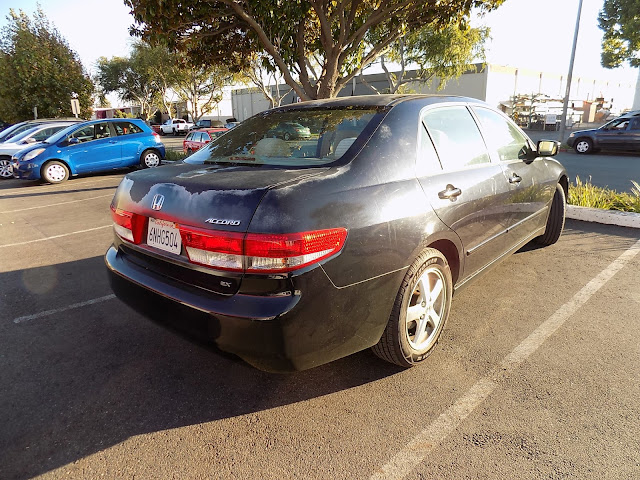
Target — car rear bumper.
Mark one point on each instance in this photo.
(314, 323)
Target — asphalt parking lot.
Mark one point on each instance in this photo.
(536, 375)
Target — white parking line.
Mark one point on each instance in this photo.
(55, 236)
(71, 184)
(46, 313)
(56, 204)
(409, 457)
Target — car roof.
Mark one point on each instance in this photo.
(385, 100)
(210, 129)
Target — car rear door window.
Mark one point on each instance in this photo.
(126, 128)
(456, 137)
(501, 136)
(427, 161)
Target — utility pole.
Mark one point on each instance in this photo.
(565, 105)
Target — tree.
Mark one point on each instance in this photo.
(620, 21)
(132, 78)
(38, 69)
(444, 53)
(292, 32)
(200, 87)
(266, 76)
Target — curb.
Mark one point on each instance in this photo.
(607, 217)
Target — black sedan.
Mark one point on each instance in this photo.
(622, 134)
(294, 255)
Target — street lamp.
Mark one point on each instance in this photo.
(563, 120)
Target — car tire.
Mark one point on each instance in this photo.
(417, 320)
(583, 145)
(54, 172)
(150, 159)
(6, 171)
(174, 131)
(161, 132)
(287, 136)
(189, 152)
(555, 222)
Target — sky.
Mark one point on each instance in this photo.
(524, 33)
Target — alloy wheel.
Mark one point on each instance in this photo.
(426, 309)
(5, 169)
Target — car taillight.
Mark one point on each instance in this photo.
(127, 225)
(221, 250)
(271, 253)
(260, 252)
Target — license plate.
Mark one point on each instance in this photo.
(164, 235)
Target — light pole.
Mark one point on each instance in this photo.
(563, 120)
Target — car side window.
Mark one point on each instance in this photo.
(427, 161)
(189, 137)
(456, 137)
(502, 137)
(126, 128)
(635, 124)
(102, 130)
(46, 133)
(205, 137)
(84, 134)
(196, 137)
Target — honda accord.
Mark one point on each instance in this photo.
(294, 253)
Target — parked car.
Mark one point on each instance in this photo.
(196, 139)
(175, 126)
(291, 256)
(290, 131)
(18, 128)
(90, 147)
(33, 135)
(207, 123)
(622, 133)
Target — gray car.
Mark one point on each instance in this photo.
(294, 253)
(621, 134)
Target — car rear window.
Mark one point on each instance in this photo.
(289, 138)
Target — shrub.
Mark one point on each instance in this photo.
(585, 194)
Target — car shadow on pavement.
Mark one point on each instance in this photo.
(84, 379)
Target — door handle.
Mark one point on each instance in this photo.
(450, 193)
(515, 178)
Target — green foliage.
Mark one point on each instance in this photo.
(293, 33)
(150, 72)
(121, 114)
(38, 69)
(133, 78)
(620, 20)
(174, 155)
(442, 52)
(585, 194)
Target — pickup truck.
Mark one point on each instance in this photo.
(175, 126)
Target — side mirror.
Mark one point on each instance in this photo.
(73, 141)
(548, 148)
(31, 140)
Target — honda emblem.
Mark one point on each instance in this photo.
(156, 203)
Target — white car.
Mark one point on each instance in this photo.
(175, 126)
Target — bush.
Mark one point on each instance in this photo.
(585, 194)
(174, 156)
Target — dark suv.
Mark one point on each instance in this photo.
(622, 133)
(291, 254)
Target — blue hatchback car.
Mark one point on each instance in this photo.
(88, 147)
